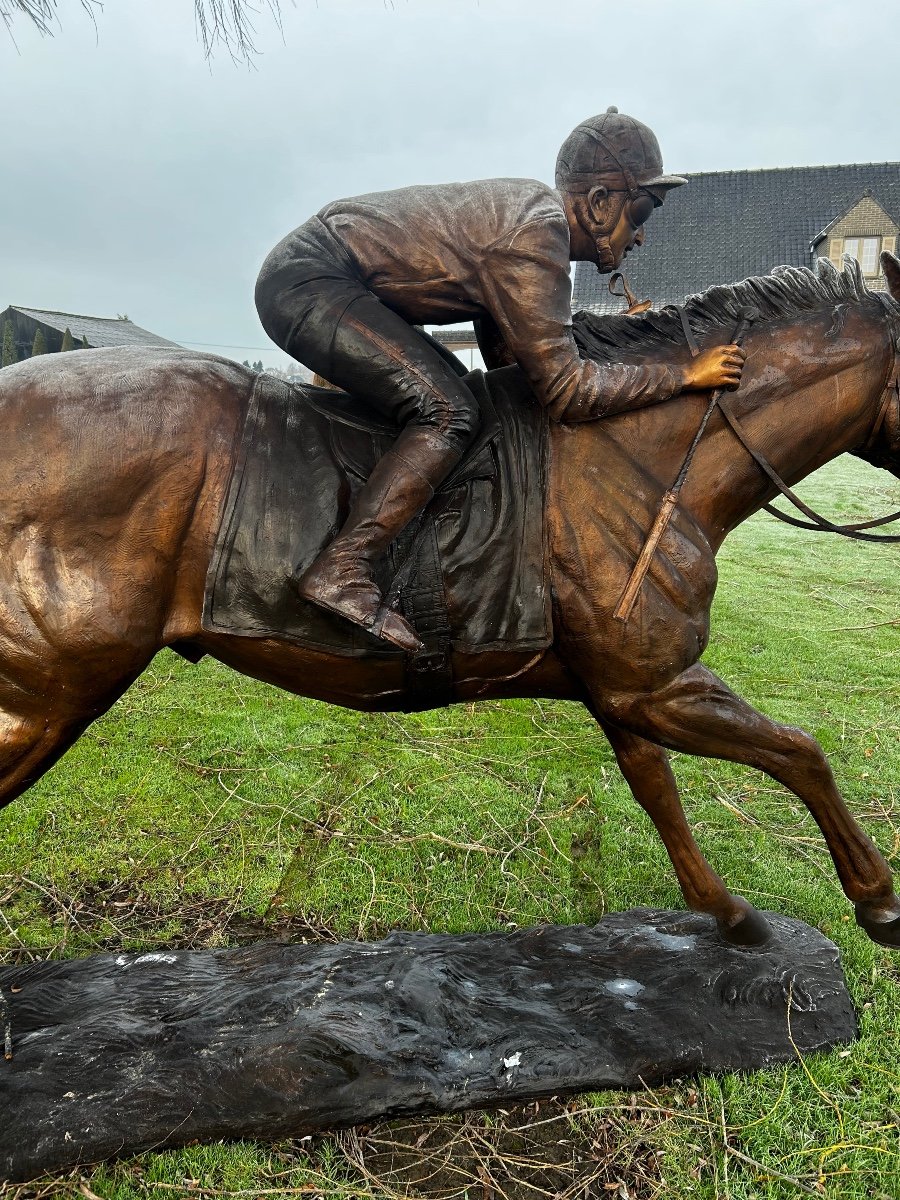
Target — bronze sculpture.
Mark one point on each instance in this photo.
(99, 571)
(342, 292)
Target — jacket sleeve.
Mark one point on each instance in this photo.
(526, 289)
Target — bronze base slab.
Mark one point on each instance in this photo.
(114, 1054)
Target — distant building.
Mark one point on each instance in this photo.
(463, 343)
(93, 331)
(726, 225)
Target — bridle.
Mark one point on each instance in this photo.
(816, 521)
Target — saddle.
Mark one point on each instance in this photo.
(470, 574)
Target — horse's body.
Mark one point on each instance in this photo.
(114, 473)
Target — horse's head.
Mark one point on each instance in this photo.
(883, 446)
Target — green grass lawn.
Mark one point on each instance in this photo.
(207, 809)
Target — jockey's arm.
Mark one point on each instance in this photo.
(525, 283)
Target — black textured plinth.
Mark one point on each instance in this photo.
(117, 1053)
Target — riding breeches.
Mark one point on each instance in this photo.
(328, 320)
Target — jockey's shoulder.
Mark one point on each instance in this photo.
(518, 200)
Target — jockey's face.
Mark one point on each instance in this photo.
(615, 217)
(628, 230)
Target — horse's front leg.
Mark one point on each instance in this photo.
(698, 714)
(646, 769)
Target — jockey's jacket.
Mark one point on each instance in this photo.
(438, 254)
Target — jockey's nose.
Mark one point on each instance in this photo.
(639, 237)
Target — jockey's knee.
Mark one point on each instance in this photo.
(456, 421)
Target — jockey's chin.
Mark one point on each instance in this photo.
(619, 259)
(623, 239)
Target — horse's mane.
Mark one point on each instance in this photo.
(786, 292)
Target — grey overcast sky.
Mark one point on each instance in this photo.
(141, 179)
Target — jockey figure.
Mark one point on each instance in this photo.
(342, 292)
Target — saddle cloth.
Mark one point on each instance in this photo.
(471, 575)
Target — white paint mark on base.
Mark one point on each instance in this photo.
(670, 942)
(623, 987)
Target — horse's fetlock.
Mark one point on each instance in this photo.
(798, 741)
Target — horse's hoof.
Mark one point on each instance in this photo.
(746, 927)
(881, 921)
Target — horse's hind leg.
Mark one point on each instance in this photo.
(46, 704)
(29, 746)
(646, 769)
(698, 714)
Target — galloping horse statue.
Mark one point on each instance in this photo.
(114, 475)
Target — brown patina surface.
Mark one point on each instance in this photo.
(114, 475)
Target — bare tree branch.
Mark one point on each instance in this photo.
(41, 12)
(227, 23)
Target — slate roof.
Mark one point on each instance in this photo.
(99, 331)
(455, 337)
(726, 225)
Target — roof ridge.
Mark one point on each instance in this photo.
(58, 312)
(772, 170)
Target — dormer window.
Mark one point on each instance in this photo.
(866, 251)
(863, 231)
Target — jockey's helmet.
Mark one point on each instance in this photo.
(617, 152)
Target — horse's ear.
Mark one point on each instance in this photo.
(891, 266)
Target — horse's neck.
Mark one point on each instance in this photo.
(811, 393)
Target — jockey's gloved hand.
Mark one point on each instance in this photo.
(719, 367)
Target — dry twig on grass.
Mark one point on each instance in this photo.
(539, 1151)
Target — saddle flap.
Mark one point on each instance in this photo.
(482, 585)
(343, 409)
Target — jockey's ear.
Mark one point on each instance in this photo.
(599, 205)
(891, 267)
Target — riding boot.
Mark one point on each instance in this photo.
(341, 578)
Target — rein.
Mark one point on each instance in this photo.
(816, 521)
(670, 499)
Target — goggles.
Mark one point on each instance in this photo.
(640, 209)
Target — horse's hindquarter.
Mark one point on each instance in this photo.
(607, 481)
(108, 456)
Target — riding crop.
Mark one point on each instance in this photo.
(746, 316)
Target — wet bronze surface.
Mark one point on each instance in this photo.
(115, 472)
(121, 1053)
